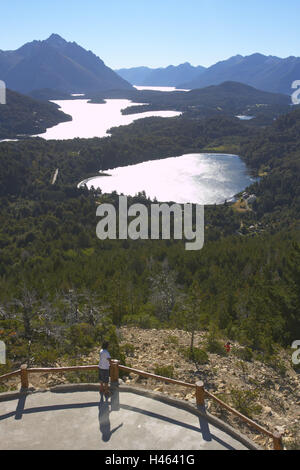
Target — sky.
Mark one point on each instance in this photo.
(157, 33)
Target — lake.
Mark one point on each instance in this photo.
(94, 120)
(197, 178)
(159, 88)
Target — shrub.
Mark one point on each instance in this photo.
(171, 339)
(4, 388)
(164, 371)
(46, 357)
(244, 354)
(128, 349)
(82, 377)
(215, 347)
(244, 401)
(197, 355)
(277, 364)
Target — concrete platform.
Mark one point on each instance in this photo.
(127, 421)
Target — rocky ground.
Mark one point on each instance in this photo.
(274, 392)
(277, 392)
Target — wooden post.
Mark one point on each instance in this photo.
(24, 377)
(114, 371)
(277, 439)
(200, 394)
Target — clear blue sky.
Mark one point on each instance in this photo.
(126, 33)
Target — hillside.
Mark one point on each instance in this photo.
(63, 290)
(57, 64)
(163, 76)
(23, 115)
(228, 98)
(267, 73)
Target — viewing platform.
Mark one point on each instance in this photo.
(78, 416)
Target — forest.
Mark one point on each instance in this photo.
(22, 115)
(63, 290)
(228, 99)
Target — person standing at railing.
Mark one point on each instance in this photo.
(104, 364)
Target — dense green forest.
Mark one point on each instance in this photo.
(22, 115)
(63, 290)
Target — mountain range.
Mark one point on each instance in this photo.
(168, 76)
(266, 73)
(57, 64)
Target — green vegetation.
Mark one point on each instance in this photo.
(63, 291)
(164, 371)
(246, 354)
(227, 99)
(128, 349)
(171, 339)
(199, 356)
(244, 401)
(23, 115)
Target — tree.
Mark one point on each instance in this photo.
(191, 313)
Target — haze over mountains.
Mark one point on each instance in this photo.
(168, 76)
(57, 64)
(268, 73)
(66, 67)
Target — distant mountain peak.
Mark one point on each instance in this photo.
(57, 64)
(171, 75)
(56, 39)
(268, 73)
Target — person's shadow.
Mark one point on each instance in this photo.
(104, 421)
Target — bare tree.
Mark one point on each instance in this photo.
(72, 300)
(93, 312)
(25, 308)
(164, 292)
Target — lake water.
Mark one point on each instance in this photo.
(245, 118)
(159, 88)
(94, 120)
(196, 178)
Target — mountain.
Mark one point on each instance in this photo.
(266, 73)
(24, 115)
(169, 76)
(135, 75)
(57, 64)
(229, 98)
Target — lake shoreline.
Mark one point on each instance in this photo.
(203, 178)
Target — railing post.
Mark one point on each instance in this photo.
(114, 371)
(24, 377)
(200, 393)
(277, 440)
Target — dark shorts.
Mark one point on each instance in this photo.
(104, 375)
